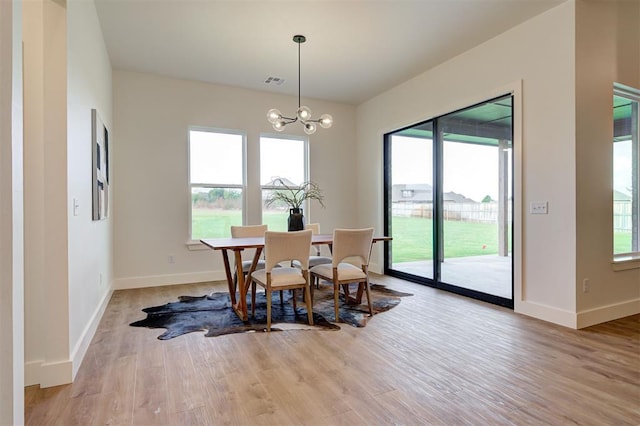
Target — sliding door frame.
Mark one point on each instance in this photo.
(437, 223)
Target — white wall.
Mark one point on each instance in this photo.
(540, 54)
(67, 73)
(11, 211)
(90, 242)
(151, 202)
(607, 51)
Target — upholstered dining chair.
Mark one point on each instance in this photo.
(285, 247)
(247, 231)
(347, 243)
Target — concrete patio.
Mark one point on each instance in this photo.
(489, 274)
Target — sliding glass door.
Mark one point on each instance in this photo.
(411, 206)
(448, 195)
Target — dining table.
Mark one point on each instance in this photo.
(238, 245)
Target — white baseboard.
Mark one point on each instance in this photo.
(169, 279)
(546, 313)
(608, 313)
(32, 372)
(63, 372)
(581, 319)
(55, 373)
(80, 350)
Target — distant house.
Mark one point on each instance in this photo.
(621, 196)
(279, 181)
(423, 193)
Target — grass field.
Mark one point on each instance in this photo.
(210, 223)
(412, 239)
(412, 236)
(622, 242)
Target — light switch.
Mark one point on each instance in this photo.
(538, 207)
(76, 207)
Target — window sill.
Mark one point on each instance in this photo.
(626, 261)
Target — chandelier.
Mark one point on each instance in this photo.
(303, 114)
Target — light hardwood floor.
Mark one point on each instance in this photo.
(437, 358)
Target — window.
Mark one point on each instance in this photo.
(626, 180)
(286, 158)
(216, 180)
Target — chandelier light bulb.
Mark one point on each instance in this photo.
(279, 125)
(326, 121)
(304, 113)
(274, 115)
(309, 128)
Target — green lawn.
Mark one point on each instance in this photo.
(413, 236)
(211, 223)
(622, 242)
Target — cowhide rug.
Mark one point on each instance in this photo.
(213, 313)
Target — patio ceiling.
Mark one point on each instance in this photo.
(484, 124)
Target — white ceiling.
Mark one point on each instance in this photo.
(355, 49)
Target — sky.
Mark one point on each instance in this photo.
(622, 166)
(215, 158)
(470, 170)
(281, 158)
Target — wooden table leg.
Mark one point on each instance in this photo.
(241, 306)
(252, 268)
(227, 270)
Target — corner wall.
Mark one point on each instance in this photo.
(607, 51)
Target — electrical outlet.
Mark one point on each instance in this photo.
(171, 259)
(585, 285)
(538, 207)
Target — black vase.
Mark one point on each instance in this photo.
(296, 220)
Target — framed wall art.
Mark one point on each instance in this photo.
(100, 167)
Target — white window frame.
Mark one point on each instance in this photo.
(632, 259)
(195, 244)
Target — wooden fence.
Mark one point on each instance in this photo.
(467, 212)
(622, 218)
